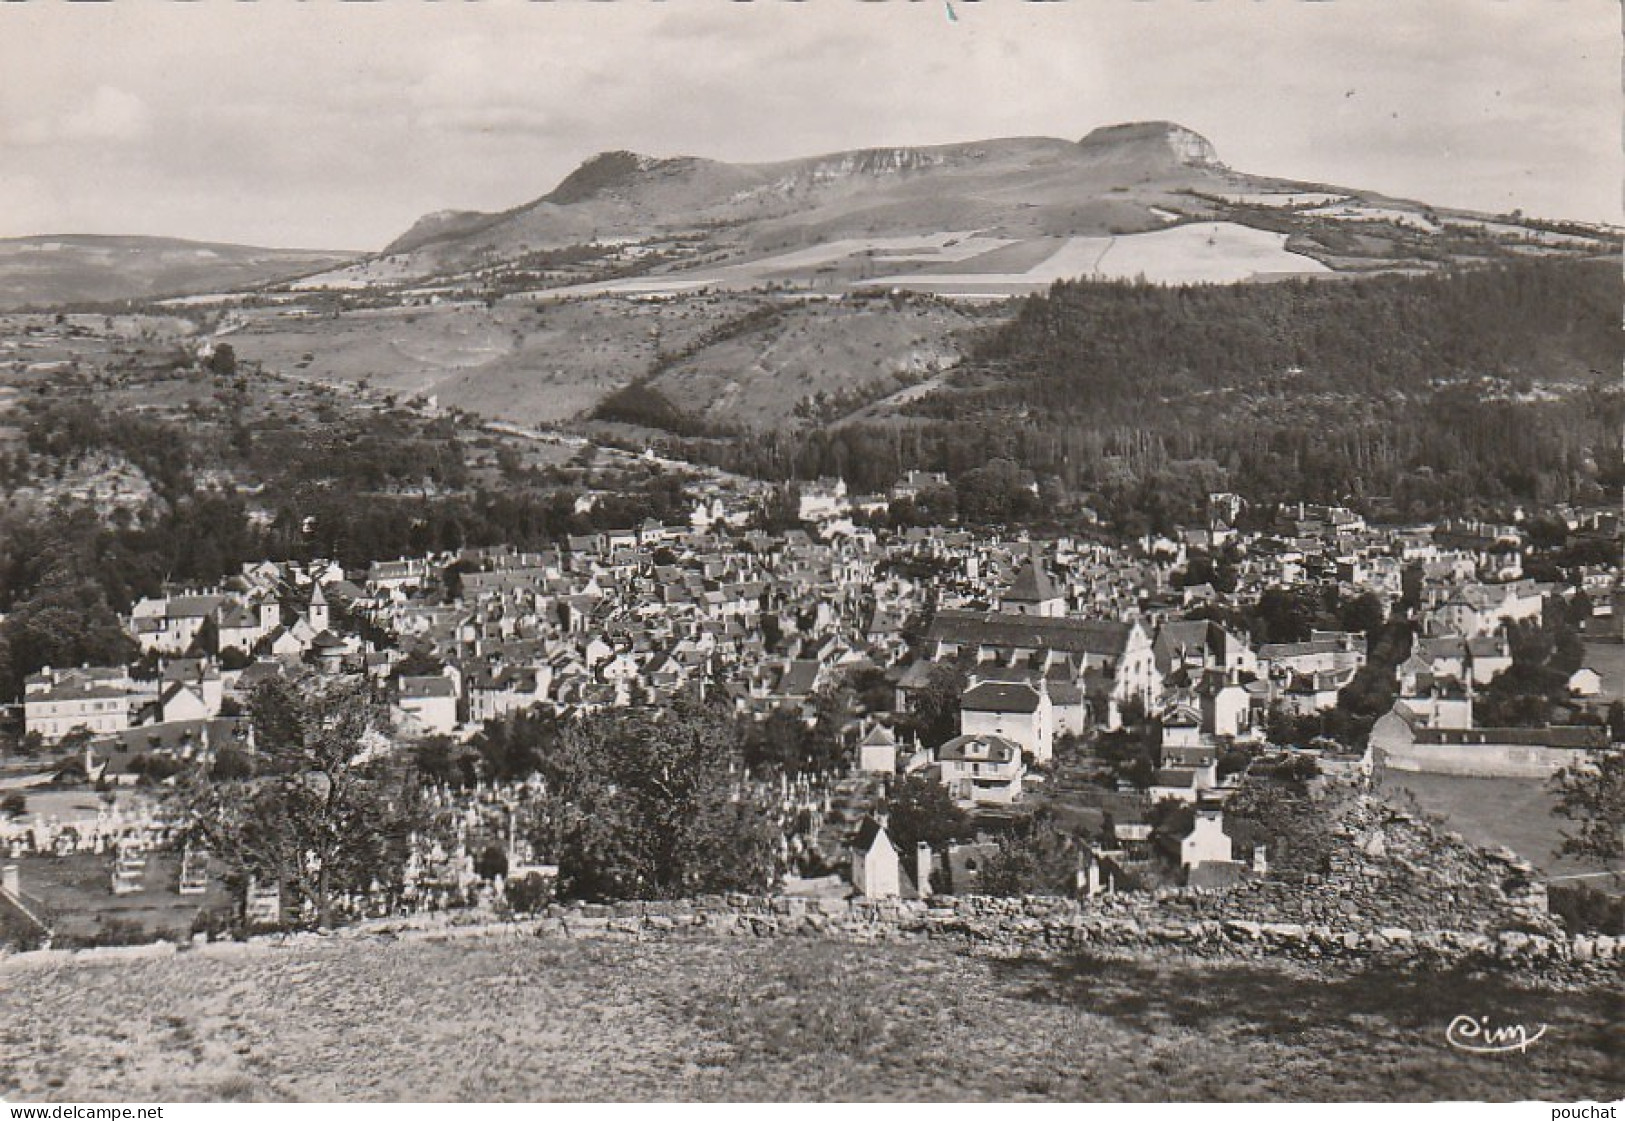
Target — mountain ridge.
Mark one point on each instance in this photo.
(618, 174)
(48, 270)
(1149, 198)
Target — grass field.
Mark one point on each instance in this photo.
(1511, 812)
(517, 1018)
(75, 892)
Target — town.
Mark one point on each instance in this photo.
(917, 710)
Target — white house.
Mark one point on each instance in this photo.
(981, 770)
(877, 751)
(1585, 682)
(1207, 842)
(1019, 711)
(876, 870)
(429, 703)
(58, 702)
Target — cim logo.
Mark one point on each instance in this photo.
(1480, 1037)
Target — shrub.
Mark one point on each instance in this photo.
(493, 862)
(529, 893)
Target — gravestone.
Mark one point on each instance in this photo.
(262, 905)
(194, 878)
(129, 870)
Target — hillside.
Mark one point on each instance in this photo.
(803, 1019)
(1417, 395)
(985, 219)
(48, 272)
(811, 363)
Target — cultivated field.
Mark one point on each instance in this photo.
(966, 263)
(1194, 253)
(518, 1018)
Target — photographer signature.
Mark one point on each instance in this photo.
(1477, 1035)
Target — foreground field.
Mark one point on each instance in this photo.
(517, 1018)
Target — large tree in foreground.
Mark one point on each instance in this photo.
(329, 810)
(1592, 794)
(652, 804)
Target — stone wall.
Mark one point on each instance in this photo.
(1019, 927)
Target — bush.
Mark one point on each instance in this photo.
(529, 893)
(493, 862)
(1586, 910)
(13, 805)
(232, 763)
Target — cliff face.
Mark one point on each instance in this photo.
(1153, 142)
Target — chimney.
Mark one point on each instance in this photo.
(11, 882)
(1261, 863)
(922, 869)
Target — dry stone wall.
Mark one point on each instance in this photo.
(1019, 927)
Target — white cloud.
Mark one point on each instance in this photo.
(340, 124)
(107, 115)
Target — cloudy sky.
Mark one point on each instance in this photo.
(337, 125)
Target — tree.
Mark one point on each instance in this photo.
(65, 622)
(782, 742)
(492, 862)
(1036, 857)
(647, 804)
(231, 763)
(14, 804)
(326, 816)
(444, 760)
(1363, 614)
(935, 718)
(223, 362)
(922, 810)
(513, 747)
(1592, 795)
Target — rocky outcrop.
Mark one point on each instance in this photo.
(1152, 141)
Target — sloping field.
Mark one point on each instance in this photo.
(825, 359)
(1366, 212)
(524, 363)
(1281, 198)
(842, 259)
(393, 269)
(1195, 253)
(519, 1018)
(1204, 253)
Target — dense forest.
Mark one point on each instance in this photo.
(1415, 395)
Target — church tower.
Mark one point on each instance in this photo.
(318, 610)
(1033, 592)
